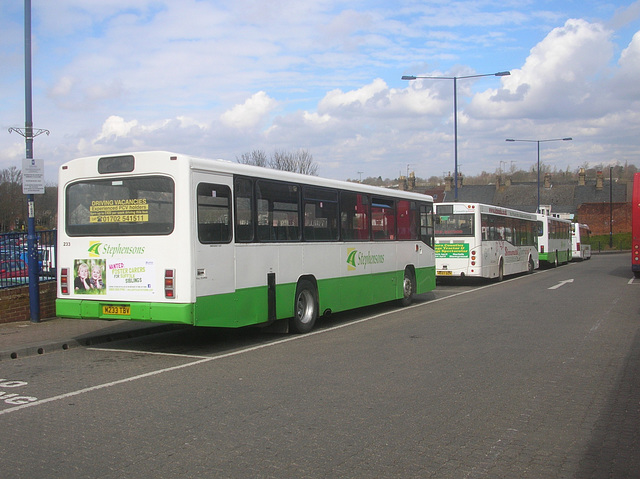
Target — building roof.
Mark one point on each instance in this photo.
(563, 198)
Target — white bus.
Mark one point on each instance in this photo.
(580, 247)
(157, 236)
(474, 239)
(554, 240)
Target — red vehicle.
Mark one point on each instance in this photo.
(635, 226)
(13, 268)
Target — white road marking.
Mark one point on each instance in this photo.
(137, 351)
(206, 359)
(561, 283)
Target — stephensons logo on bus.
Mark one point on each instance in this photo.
(97, 249)
(357, 258)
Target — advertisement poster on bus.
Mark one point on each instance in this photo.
(89, 276)
(130, 275)
(452, 250)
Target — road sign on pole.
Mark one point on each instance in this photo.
(32, 176)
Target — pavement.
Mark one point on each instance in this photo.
(24, 338)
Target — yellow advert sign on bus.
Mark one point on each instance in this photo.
(452, 250)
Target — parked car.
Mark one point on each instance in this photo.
(47, 261)
(24, 256)
(13, 268)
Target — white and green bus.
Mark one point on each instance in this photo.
(554, 240)
(580, 246)
(478, 240)
(162, 237)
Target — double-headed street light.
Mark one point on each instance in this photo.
(455, 114)
(538, 142)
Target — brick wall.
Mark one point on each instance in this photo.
(15, 302)
(596, 215)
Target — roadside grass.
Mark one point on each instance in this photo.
(621, 242)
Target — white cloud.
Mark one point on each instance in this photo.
(628, 81)
(561, 78)
(182, 75)
(116, 127)
(251, 113)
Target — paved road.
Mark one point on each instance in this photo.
(533, 377)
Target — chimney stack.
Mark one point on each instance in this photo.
(599, 180)
(448, 182)
(412, 181)
(582, 177)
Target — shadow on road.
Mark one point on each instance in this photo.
(614, 446)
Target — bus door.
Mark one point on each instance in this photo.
(214, 270)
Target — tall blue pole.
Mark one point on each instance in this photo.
(455, 138)
(538, 207)
(32, 250)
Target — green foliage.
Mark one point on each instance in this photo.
(621, 241)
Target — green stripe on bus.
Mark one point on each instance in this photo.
(140, 311)
(250, 306)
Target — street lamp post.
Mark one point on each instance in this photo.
(538, 142)
(455, 114)
(29, 133)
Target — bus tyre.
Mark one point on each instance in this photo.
(305, 308)
(500, 271)
(408, 288)
(531, 266)
(555, 261)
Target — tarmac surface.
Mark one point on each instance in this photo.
(25, 338)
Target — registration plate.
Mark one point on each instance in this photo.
(444, 273)
(115, 310)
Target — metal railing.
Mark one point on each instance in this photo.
(13, 258)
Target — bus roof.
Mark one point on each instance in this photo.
(229, 167)
(465, 207)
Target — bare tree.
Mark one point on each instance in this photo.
(255, 158)
(305, 163)
(300, 161)
(12, 206)
(283, 160)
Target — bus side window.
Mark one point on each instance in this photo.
(354, 216)
(214, 213)
(278, 211)
(426, 225)
(407, 220)
(383, 219)
(243, 190)
(320, 214)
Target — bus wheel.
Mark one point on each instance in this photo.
(531, 266)
(305, 308)
(555, 262)
(500, 271)
(408, 287)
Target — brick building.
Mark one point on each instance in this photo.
(586, 201)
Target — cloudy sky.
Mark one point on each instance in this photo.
(220, 78)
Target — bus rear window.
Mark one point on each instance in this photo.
(122, 206)
(454, 224)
